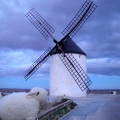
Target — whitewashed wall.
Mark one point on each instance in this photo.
(61, 82)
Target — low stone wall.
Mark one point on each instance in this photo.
(103, 92)
(11, 90)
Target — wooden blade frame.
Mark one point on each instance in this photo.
(38, 63)
(43, 27)
(75, 70)
(80, 18)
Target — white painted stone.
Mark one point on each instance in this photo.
(61, 81)
(113, 92)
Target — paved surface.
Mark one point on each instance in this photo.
(96, 107)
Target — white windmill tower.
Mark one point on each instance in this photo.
(68, 62)
(61, 81)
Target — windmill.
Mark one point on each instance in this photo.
(76, 71)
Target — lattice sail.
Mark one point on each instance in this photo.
(80, 18)
(36, 19)
(46, 30)
(37, 64)
(76, 71)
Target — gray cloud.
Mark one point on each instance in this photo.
(104, 66)
(99, 37)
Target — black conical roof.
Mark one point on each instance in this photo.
(69, 46)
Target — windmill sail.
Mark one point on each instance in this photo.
(38, 63)
(76, 71)
(69, 61)
(80, 18)
(43, 27)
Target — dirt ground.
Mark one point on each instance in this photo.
(96, 107)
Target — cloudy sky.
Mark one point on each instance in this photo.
(21, 43)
